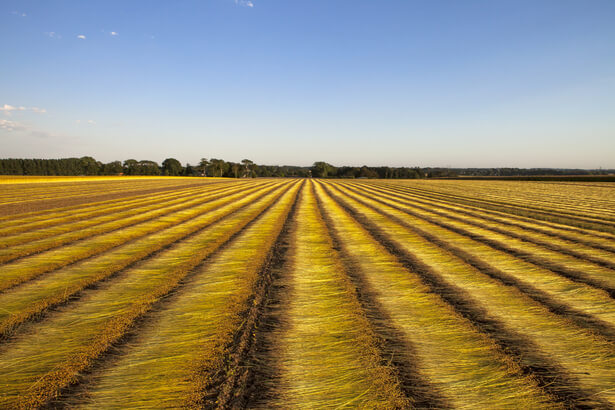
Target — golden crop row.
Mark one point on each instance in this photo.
(316, 293)
(518, 202)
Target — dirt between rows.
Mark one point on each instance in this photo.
(44, 204)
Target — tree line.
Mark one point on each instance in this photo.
(215, 167)
(212, 167)
(324, 170)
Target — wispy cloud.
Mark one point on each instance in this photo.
(81, 36)
(245, 3)
(89, 122)
(114, 33)
(53, 34)
(18, 127)
(19, 13)
(8, 109)
(11, 125)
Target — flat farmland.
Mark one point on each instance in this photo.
(306, 293)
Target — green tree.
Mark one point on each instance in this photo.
(202, 167)
(217, 167)
(248, 168)
(113, 168)
(147, 167)
(323, 170)
(171, 166)
(130, 167)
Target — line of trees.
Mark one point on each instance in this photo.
(215, 167)
(324, 170)
(212, 167)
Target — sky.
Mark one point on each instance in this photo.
(392, 82)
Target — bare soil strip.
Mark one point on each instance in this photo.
(38, 242)
(31, 300)
(54, 215)
(585, 306)
(558, 227)
(539, 342)
(527, 195)
(423, 335)
(56, 220)
(574, 249)
(571, 268)
(326, 354)
(41, 204)
(574, 236)
(33, 266)
(42, 361)
(558, 217)
(199, 324)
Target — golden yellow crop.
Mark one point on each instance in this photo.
(162, 292)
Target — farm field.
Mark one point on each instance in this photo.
(306, 293)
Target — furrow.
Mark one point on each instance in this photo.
(34, 266)
(510, 200)
(39, 242)
(156, 364)
(326, 354)
(424, 336)
(31, 300)
(69, 211)
(570, 363)
(545, 199)
(41, 363)
(237, 378)
(572, 220)
(31, 207)
(75, 217)
(583, 305)
(568, 267)
(573, 238)
(562, 246)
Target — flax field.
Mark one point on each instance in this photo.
(305, 293)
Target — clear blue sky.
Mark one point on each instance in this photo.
(405, 83)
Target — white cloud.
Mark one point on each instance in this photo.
(81, 36)
(52, 34)
(19, 13)
(11, 125)
(89, 122)
(245, 3)
(8, 109)
(114, 33)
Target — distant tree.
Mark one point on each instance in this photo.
(202, 167)
(130, 166)
(189, 171)
(248, 168)
(171, 166)
(217, 167)
(147, 167)
(235, 169)
(89, 166)
(113, 168)
(323, 170)
(367, 172)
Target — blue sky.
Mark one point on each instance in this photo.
(402, 83)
